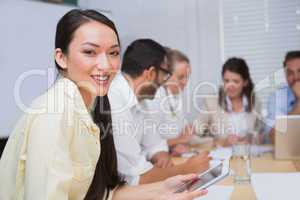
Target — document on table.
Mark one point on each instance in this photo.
(257, 150)
(218, 192)
(226, 152)
(276, 186)
(221, 153)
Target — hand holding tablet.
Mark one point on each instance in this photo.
(217, 171)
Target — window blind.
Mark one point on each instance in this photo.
(261, 32)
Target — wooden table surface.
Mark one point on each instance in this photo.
(264, 163)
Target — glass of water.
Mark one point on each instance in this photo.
(240, 162)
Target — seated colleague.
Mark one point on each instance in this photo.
(166, 109)
(55, 151)
(235, 111)
(286, 100)
(144, 69)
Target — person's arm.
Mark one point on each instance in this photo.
(154, 146)
(158, 191)
(272, 111)
(202, 123)
(277, 105)
(195, 164)
(258, 125)
(49, 170)
(132, 161)
(296, 109)
(296, 91)
(140, 192)
(162, 159)
(272, 135)
(175, 141)
(184, 137)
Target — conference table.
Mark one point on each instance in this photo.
(262, 163)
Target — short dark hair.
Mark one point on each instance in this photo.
(290, 56)
(141, 55)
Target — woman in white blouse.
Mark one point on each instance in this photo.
(63, 148)
(235, 112)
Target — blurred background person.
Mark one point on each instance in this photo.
(143, 155)
(166, 109)
(235, 112)
(285, 100)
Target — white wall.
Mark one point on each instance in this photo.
(192, 26)
(28, 29)
(27, 43)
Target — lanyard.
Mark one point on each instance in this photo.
(172, 109)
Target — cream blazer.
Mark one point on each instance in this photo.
(215, 120)
(53, 150)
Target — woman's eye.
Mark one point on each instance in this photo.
(89, 52)
(114, 53)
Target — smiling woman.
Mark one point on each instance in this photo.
(92, 58)
(67, 152)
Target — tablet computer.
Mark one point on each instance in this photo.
(217, 171)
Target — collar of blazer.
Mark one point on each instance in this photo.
(75, 101)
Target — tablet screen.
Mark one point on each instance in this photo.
(205, 178)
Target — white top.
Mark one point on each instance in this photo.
(218, 121)
(167, 110)
(239, 120)
(135, 141)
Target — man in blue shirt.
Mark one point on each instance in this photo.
(286, 100)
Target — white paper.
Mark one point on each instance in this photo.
(221, 153)
(218, 192)
(226, 152)
(257, 150)
(276, 186)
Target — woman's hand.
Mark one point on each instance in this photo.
(163, 190)
(172, 184)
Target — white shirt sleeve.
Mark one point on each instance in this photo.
(131, 160)
(153, 144)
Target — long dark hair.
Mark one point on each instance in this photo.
(239, 66)
(106, 175)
